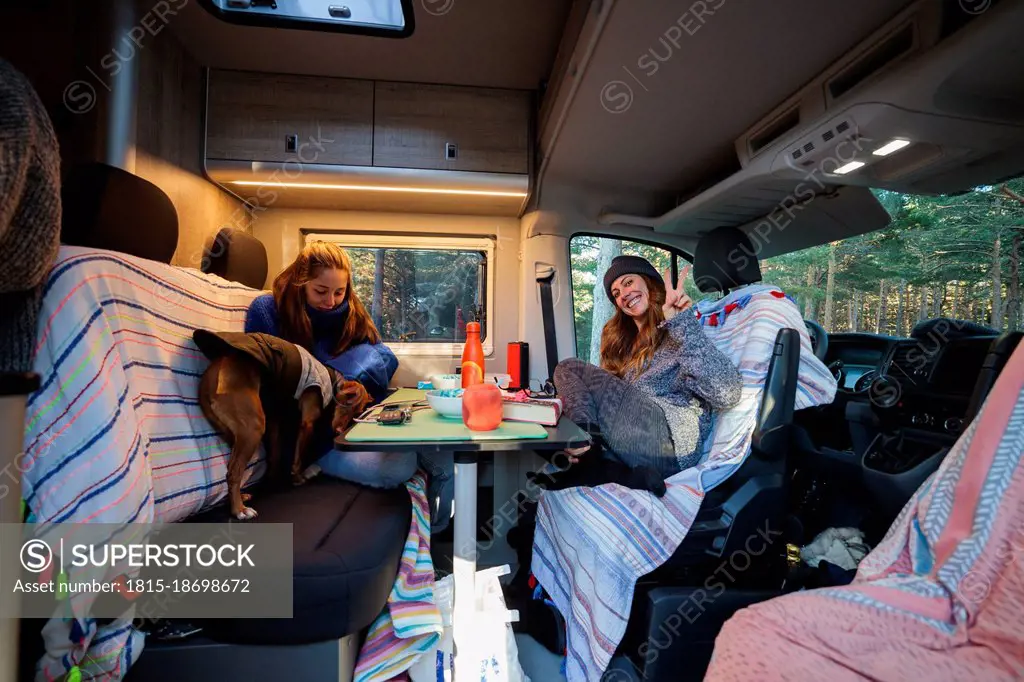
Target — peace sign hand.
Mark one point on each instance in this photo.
(676, 299)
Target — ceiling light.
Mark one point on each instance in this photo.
(891, 147)
(848, 168)
(379, 188)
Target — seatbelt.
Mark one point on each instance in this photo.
(547, 307)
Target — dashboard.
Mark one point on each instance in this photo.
(901, 405)
(924, 383)
(861, 356)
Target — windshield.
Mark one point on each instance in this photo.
(941, 256)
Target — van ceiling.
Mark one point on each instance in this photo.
(685, 106)
(494, 43)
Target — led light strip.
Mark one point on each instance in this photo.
(378, 188)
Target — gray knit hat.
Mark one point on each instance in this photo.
(629, 265)
(29, 214)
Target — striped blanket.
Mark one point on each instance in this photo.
(942, 596)
(410, 624)
(592, 544)
(115, 433)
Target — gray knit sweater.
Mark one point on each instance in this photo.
(29, 214)
(688, 376)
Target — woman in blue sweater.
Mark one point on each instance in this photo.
(314, 305)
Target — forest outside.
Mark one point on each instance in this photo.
(941, 256)
(421, 295)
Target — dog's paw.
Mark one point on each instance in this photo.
(298, 478)
(350, 401)
(246, 514)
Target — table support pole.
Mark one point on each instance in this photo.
(464, 560)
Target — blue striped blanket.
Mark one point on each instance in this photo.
(592, 544)
(115, 434)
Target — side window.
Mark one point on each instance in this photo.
(590, 257)
(421, 293)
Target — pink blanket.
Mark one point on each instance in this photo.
(941, 598)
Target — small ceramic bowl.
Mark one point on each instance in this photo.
(446, 381)
(446, 402)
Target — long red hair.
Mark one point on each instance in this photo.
(291, 302)
(624, 347)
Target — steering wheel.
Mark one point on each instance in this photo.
(819, 338)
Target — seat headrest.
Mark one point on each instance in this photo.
(109, 208)
(725, 259)
(237, 256)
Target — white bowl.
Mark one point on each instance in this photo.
(446, 405)
(442, 381)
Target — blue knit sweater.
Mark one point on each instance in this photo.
(371, 364)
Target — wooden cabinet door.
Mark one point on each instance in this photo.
(413, 123)
(251, 115)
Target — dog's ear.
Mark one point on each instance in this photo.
(350, 399)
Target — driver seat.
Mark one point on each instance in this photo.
(749, 504)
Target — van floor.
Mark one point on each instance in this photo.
(538, 663)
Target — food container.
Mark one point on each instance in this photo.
(443, 381)
(446, 402)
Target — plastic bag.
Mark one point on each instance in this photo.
(493, 648)
(437, 664)
(844, 547)
(494, 642)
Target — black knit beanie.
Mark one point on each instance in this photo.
(629, 265)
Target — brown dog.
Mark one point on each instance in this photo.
(252, 382)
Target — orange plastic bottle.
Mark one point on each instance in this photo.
(472, 357)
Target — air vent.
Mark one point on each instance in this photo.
(798, 153)
(809, 147)
(912, 361)
(885, 53)
(842, 127)
(827, 135)
(774, 130)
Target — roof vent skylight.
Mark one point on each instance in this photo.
(387, 18)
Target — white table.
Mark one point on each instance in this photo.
(467, 453)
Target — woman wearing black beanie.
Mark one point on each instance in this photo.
(660, 376)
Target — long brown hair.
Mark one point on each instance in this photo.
(624, 347)
(291, 303)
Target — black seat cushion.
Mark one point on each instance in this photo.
(237, 256)
(109, 208)
(348, 542)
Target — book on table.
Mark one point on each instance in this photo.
(545, 411)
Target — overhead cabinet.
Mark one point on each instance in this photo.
(279, 118)
(283, 140)
(451, 128)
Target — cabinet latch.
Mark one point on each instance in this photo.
(451, 151)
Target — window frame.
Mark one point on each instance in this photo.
(674, 251)
(485, 244)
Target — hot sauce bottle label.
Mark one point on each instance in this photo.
(472, 373)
